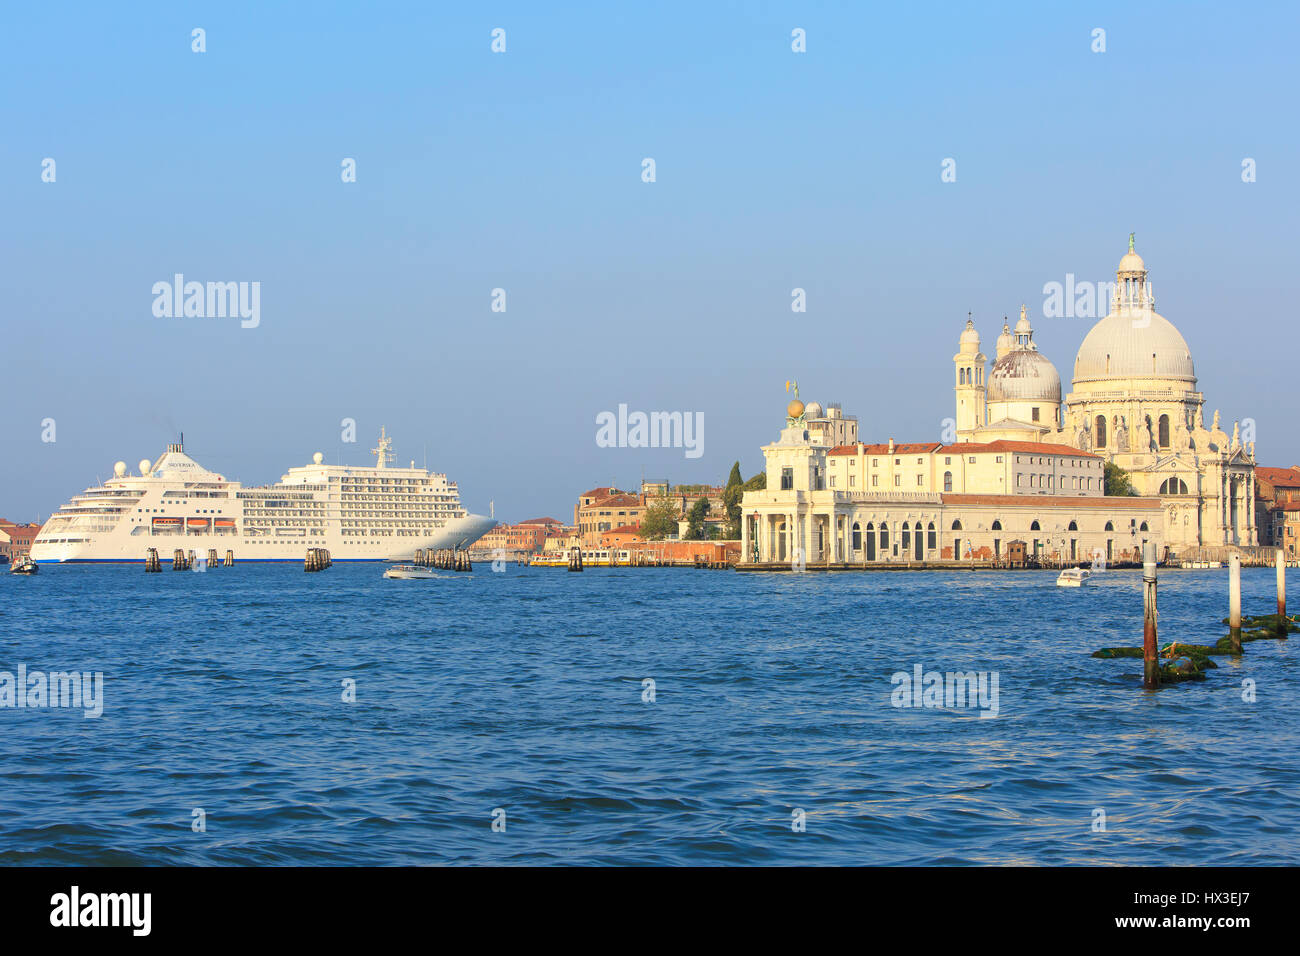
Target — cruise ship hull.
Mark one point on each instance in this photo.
(459, 533)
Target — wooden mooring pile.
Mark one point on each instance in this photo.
(444, 559)
(318, 559)
(183, 560)
(1180, 661)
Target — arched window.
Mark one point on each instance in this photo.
(884, 536)
(857, 536)
(1144, 527)
(1110, 526)
(1164, 431)
(1100, 428)
(947, 481)
(997, 525)
(1074, 526)
(1034, 526)
(956, 526)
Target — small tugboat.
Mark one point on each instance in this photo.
(409, 571)
(1072, 578)
(24, 565)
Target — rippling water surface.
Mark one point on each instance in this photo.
(523, 691)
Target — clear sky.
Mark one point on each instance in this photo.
(522, 171)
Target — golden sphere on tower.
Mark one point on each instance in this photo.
(794, 409)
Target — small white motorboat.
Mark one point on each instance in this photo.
(1072, 578)
(24, 565)
(409, 571)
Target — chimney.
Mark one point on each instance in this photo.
(891, 446)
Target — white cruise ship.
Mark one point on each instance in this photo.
(378, 513)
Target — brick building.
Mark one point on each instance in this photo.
(1275, 487)
(16, 539)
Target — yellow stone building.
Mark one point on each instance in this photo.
(1027, 460)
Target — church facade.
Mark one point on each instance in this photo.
(1023, 468)
(1134, 401)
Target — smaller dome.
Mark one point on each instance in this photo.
(1132, 262)
(970, 339)
(794, 409)
(1006, 341)
(1024, 375)
(814, 410)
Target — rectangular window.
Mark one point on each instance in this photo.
(898, 480)
(787, 479)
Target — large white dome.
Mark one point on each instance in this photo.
(1132, 344)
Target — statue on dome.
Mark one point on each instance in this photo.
(1083, 440)
(1147, 443)
(1121, 434)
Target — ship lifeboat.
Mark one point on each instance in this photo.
(166, 524)
(224, 524)
(197, 524)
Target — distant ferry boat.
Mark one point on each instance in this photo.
(599, 558)
(378, 513)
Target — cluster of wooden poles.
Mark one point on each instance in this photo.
(445, 559)
(1150, 660)
(318, 559)
(183, 560)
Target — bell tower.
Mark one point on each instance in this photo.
(970, 385)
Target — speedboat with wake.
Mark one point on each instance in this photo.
(1073, 577)
(409, 572)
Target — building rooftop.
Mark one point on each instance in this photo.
(1029, 447)
(1286, 477)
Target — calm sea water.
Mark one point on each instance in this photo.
(522, 691)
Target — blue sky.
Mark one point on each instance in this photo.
(522, 171)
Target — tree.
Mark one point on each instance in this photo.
(757, 483)
(731, 495)
(660, 518)
(1118, 481)
(695, 526)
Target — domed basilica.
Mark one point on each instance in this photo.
(1134, 402)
